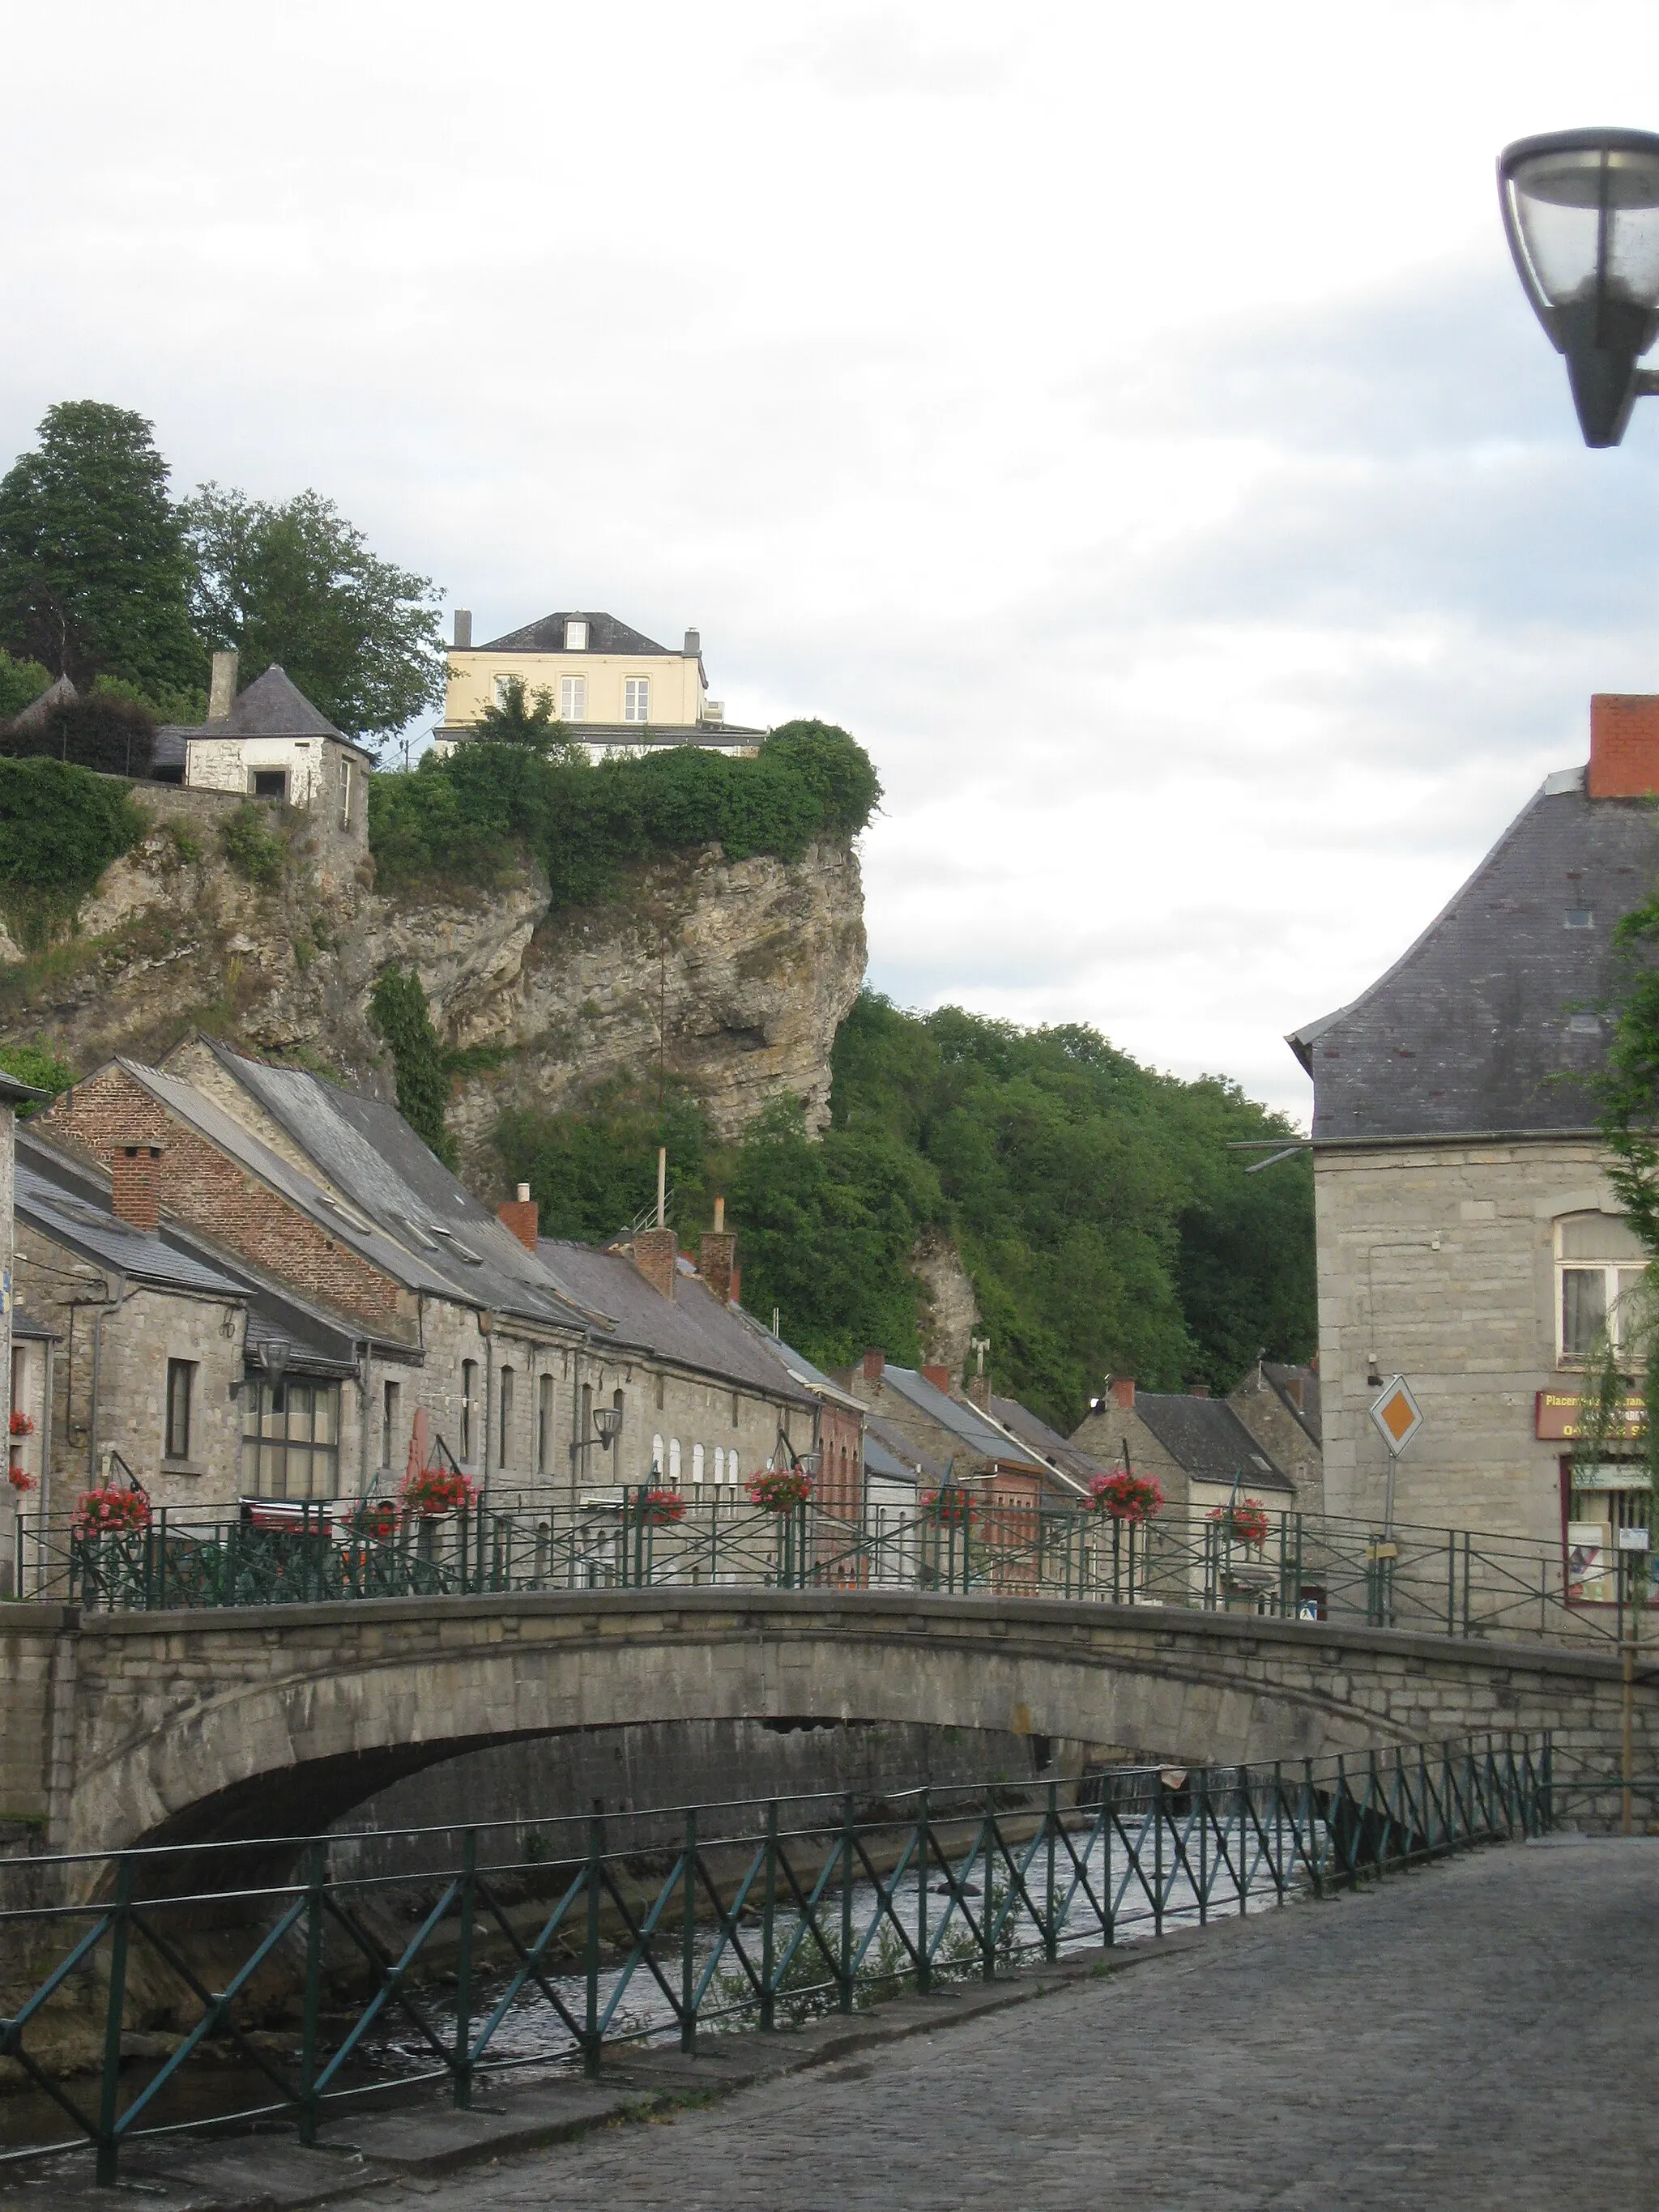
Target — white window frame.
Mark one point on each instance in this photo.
(576, 634)
(697, 1463)
(573, 698)
(499, 686)
(1619, 1277)
(637, 696)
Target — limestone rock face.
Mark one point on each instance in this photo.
(947, 1314)
(732, 976)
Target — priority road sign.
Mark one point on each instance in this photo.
(1397, 1414)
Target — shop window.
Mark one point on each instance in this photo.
(1599, 1266)
(290, 1437)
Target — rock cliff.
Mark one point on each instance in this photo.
(734, 976)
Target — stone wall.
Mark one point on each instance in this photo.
(1438, 1262)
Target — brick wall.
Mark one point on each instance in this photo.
(214, 1193)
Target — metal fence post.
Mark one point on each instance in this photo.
(689, 1938)
(768, 1911)
(987, 1946)
(924, 1967)
(1157, 1851)
(313, 1995)
(110, 2088)
(846, 1975)
(590, 2030)
(1050, 1923)
(464, 1971)
(1316, 1849)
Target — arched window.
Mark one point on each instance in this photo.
(697, 1462)
(732, 1467)
(674, 1459)
(1598, 1265)
(720, 1463)
(656, 1456)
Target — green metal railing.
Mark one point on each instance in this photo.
(1439, 1581)
(512, 1948)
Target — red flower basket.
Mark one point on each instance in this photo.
(1245, 1521)
(20, 1479)
(111, 1513)
(951, 1508)
(375, 1519)
(1127, 1497)
(437, 1490)
(780, 1489)
(661, 1509)
(21, 1425)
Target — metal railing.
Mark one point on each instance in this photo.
(518, 1948)
(1439, 1580)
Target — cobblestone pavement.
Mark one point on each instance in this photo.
(1480, 2033)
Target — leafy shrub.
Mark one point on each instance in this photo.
(399, 1011)
(60, 827)
(464, 817)
(22, 682)
(102, 731)
(251, 846)
(32, 1063)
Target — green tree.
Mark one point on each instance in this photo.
(519, 718)
(95, 576)
(22, 682)
(294, 583)
(594, 1171)
(32, 1063)
(399, 1011)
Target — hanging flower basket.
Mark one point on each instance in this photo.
(1244, 1522)
(780, 1489)
(661, 1509)
(373, 1521)
(1126, 1497)
(111, 1513)
(21, 1425)
(951, 1508)
(437, 1490)
(19, 1478)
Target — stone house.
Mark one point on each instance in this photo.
(1467, 1236)
(270, 742)
(1196, 1446)
(916, 1405)
(1279, 1406)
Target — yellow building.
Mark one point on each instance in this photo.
(619, 692)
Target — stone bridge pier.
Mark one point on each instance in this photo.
(117, 1730)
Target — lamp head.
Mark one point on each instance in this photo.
(608, 1422)
(1581, 212)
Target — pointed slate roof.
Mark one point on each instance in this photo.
(273, 706)
(604, 635)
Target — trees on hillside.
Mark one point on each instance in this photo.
(293, 582)
(94, 575)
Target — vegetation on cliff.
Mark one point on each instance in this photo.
(465, 818)
(60, 827)
(1105, 1224)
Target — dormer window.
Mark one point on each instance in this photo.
(576, 634)
(636, 699)
(1583, 1025)
(1579, 917)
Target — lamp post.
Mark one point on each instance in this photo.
(607, 1427)
(1581, 211)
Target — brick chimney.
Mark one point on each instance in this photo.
(1198, 1389)
(716, 1250)
(522, 1216)
(655, 1251)
(1292, 1386)
(1121, 1391)
(875, 1366)
(136, 1174)
(979, 1392)
(1624, 761)
(939, 1377)
(221, 686)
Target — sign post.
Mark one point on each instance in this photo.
(1398, 1417)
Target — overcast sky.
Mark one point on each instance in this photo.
(1124, 419)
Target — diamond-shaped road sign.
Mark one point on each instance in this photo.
(1397, 1414)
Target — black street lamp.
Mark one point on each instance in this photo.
(1581, 211)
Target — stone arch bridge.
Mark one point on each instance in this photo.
(199, 1726)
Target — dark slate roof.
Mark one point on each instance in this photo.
(799, 1368)
(367, 1151)
(964, 1423)
(1471, 1032)
(61, 1198)
(1307, 1414)
(1206, 1438)
(692, 1329)
(887, 1452)
(1059, 1451)
(604, 635)
(273, 706)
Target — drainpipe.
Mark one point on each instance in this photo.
(112, 1305)
(486, 1325)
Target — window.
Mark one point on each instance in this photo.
(576, 634)
(1583, 1025)
(656, 1456)
(545, 1426)
(345, 795)
(617, 1406)
(1599, 1264)
(660, 1392)
(469, 1395)
(181, 1388)
(391, 1405)
(587, 1412)
(1579, 917)
(270, 783)
(507, 1416)
(731, 1466)
(503, 688)
(697, 1462)
(674, 1460)
(291, 1438)
(734, 1409)
(636, 699)
(720, 1463)
(573, 698)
